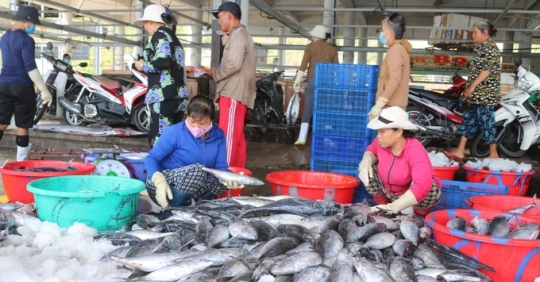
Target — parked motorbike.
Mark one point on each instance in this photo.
(106, 100)
(517, 120)
(59, 81)
(437, 115)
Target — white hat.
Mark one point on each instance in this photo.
(319, 31)
(152, 13)
(392, 117)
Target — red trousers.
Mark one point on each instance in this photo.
(231, 121)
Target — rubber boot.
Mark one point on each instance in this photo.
(422, 212)
(208, 196)
(22, 152)
(302, 136)
(179, 199)
(380, 199)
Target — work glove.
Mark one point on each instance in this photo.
(163, 190)
(298, 81)
(365, 168)
(233, 184)
(46, 96)
(377, 108)
(404, 201)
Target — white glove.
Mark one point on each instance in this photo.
(377, 108)
(233, 184)
(365, 168)
(35, 76)
(404, 201)
(298, 81)
(163, 190)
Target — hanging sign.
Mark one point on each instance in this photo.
(80, 52)
(439, 62)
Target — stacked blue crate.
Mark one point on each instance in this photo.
(344, 94)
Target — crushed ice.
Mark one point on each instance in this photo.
(440, 160)
(504, 165)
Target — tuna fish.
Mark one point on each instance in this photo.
(296, 263)
(329, 244)
(368, 272)
(302, 207)
(265, 231)
(480, 225)
(380, 241)
(296, 231)
(314, 273)
(369, 230)
(243, 230)
(428, 256)
(529, 232)
(498, 227)
(178, 270)
(525, 208)
(403, 247)
(293, 109)
(453, 256)
(278, 246)
(232, 269)
(348, 230)
(402, 271)
(218, 235)
(409, 230)
(457, 223)
(229, 177)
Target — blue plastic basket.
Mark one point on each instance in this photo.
(455, 194)
(346, 148)
(342, 124)
(360, 193)
(344, 100)
(332, 164)
(346, 75)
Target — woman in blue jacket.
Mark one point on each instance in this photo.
(175, 163)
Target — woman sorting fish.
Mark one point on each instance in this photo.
(396, 168)
(175, 164)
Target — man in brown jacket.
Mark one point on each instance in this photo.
(235, 79)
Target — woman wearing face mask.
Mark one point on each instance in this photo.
(66, 59)
(393, 87)
(317, 51)
(174, 164)
(18, 75)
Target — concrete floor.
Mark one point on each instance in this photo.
(264, 155)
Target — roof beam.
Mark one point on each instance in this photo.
(406, 10)
(263, 6)
(347, 3)
(504, 12)
(291, 16)
(192, 3)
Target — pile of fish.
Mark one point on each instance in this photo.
(499, 226)
(285, 238)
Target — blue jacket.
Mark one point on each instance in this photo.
(177, 148)
(17, 57)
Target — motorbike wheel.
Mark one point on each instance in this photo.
(258, 117)
(141, 118)
(417, 116)
(40, 110)
(479, 148)
(509, 143)
(72, 118)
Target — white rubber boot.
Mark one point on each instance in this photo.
(304, 128)
(22, 152)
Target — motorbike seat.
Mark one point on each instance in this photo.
(446, 101)
(110, 85)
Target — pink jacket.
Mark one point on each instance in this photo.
(410, 169)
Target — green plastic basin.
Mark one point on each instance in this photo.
(101, 202)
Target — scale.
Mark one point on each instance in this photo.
(112, 168)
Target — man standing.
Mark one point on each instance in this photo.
(18, 74)
(235, 79)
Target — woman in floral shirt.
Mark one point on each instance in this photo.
(482, 92)
(164, 63)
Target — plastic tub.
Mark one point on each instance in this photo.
(517, 182)
(15, 181)
(512, 259)
(445, 172)
(313, 185)
(503, 204)
(101, 202)
(235, 192)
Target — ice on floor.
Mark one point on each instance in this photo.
(501, 164)
(439, 159)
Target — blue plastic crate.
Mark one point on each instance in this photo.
(455, 194)
(360, 193)
(344, 100)
(346, 148)
(346, 75)
(332, 164)
(342, 124)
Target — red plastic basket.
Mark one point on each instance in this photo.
(446, 172)
(517, 182)
(235, 192)
(503, 204)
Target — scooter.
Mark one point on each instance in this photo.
(105, 100)
(60, 83)
(517, 120)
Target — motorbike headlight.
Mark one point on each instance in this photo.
(524, 84)
(61, 66)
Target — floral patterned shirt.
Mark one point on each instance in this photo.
(164, 64)
(487, 57)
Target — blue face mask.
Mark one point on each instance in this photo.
(31, 29)
(67, 61)
(381, 38)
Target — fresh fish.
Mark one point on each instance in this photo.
(402, 271)
(301, 207)
(243, 230)
(359, 213)
(118, 238)
(314, 273)
(453, 276)
(146, 247)
(296, 263)
(10, 206)
(468, 271)
(431, 272)
(520, 210)
(148, 222)
(380, 241)
(265, 231)
(428, 256)
(403, 247)
(390, 224)
(278, 246)
(203, 229)
(342, 272)
(409, 230)
(425, 278)
(263, 268)
(178, 270)
(417, 263)
(529, 232)
(293, 108)
(296, 231)
(229, 176)
(425, 232)
(498, 227)
(147, 234)
(218, 235)
(220, 256)
(348, 230)
(368, 272)
(454, 256)
(279, 219)
(457, 223)
(304, 247)
(319, 224)
(252, 201)
(232, 269)
(235, 243)
(480, 225)
(151, 262)
(369, 230)
(329, 244)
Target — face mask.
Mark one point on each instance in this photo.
(381, 38)
(67, 61)
(197, 132)
(31, 29)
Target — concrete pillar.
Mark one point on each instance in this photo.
(282, 41)
(97, 52)
(119, 51)
(244, 6)
(362, 34)
(13, 5)
(328, 16)
(138, 50)
(349, 34)
(195, 53)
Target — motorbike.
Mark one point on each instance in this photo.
(517, 120)
(59, 81)
(106, 100)
(437, 115)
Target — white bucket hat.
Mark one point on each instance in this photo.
(392, 117)
(152, 13)
(319, 31)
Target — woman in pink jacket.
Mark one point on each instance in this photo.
(396, 168)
